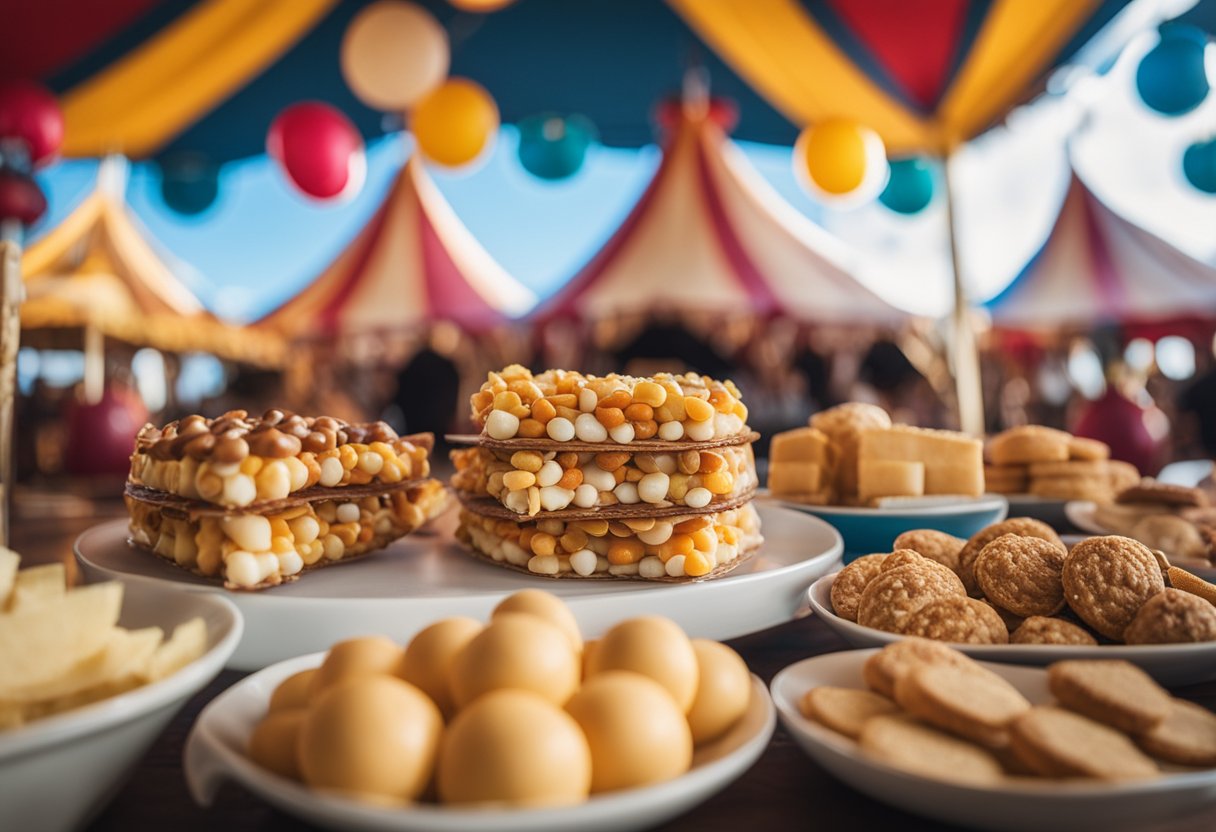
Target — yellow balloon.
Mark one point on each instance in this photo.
(838, 155)
(394, 53)
(481, 6)
(455, 123)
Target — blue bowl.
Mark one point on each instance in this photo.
(869, 530)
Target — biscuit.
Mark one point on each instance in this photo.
(1186, 737)
(906, 744)
(849, 583)
(1071, 468)
(1172, 616)
(1148, 490)
(1120, 518)
(1181, 579)
(1025, 526)
(889, 599)
(1039, 629)
(1021, 575)
(1006, 479)
(883, 670)
(1093, 489)
(845, 710)
(1057, 743)
(975, 706)
(1029, 443)
(843, 425)
(1172, 535)
(901, 557)
(1122, 474)
(934, 545)
(1107, 579)
(1079, 447)
(958, 619)
(1111, 691)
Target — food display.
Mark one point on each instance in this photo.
(257, 501)
(1178, 520)
(1054, 464)
(853, 455)
(1016, 582)
(935, 713)
(516, 712)
(613, 477)
(61, 647)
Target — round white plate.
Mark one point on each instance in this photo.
(1081, 514)
(428, 576)
(215, 751)
(1169, 664)
(1019, 805)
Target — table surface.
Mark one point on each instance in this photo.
(784, 790)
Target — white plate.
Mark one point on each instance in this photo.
(1081, 514)
(58, 772)
(1019, 805)
(215, 751)
(1169, 664)
(429, 576)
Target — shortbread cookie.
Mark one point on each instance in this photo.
(1076, 468)
(883, 670)
(889, 599)
(845, 710)
(1181, 579)
(1025, 526)
(1093, 489)
(1006, 479)
(1148, 490)
(1080, 447)
(932, 544)
(851, 581)
(1107, 579)
(1186, 737)
(1171, 534)
(1038, 629)
(909, 745)
(1172, 616)
(975, 706)
(1054, 742)
(901, 557)
(1111, 691)
(1029, 443)
(1022, 574)
(959, 619)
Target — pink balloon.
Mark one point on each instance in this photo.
(29, 112)
(318, 149)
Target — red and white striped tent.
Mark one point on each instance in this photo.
(709, 235)
(414, 264)
(1097, 268)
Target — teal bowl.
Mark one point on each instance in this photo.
(869, 530)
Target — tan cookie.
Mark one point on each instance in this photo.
(1172, 616)
(1186, 737)
(889, 599)
(909, 745)
(1021, 575)
(845, 710)
(883, 670)
(975, 706)
(1057, 743)
(1073, 468)
(1172, 535)
(1093, 489)
(1006, 479)
(1148, 490)
(958, 619)
(1042, 630)
(1121, 518)
(902, 557)
(1111, 691)
(1122, 474)
(1025, 526)
(1081, 448)
(1107, 579)
(1181, 579)
(849, 583)
(934, 545)
(1029, 443)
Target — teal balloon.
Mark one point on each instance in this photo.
(1171, 78)
(189, 183)
(1199, 165)
(910, 187)
(554, 147)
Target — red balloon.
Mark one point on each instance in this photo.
(100, 436)
(1124, 425)
(29, 112)
(318, 149)
(20, 197)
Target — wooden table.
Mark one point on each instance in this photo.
(784, 790)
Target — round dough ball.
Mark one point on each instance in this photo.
(273, 742)
(293, 692)
(518, 651)
(547, 606)
(356, 657)
(427, 662)
(375, 736)
(653, 646)
(723, 692)
(515, 748)
(637, 734)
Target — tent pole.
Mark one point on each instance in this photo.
(94, 364)
(964, 353)
(10, 340)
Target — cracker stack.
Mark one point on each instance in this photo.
(617, 477)
(256, 501)
(1050, 463)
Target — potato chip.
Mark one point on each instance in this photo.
(8, 573)
(127, 654)
(37, 585)
(188, 642)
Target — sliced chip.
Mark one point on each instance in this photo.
(37, 585)
(127, 653)
(8, 572)
(188, 642)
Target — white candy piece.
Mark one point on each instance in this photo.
(333, 547)
(584, 562)
(588, 428)
(700, 431)
(502, 425)
(653, 487)
(651, 567)
(331, 472)
(549, 474)
(517, 501)
(622, 434)
(698, 497)
(241, 568)
(587, 400)
(239, 490)
(560, 429)
(727, 424)
(671, 431)
(248, 531)
(543, 564)
(554, 498)
(371, 462)
(304, 529)
(598, 478)
(586, 496)
(297, 471)
(675, 566)
(348, 513)
(623, 569)
(290, 563)
(514, 553)
(657, 534)
(627, 493)
(274, 481)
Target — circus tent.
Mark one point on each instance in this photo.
(709, 235)
(413, 264)
(1097, 268)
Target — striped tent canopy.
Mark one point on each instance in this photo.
(709, 235)
(413, 264)
(99, 269)
(1097, 268)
